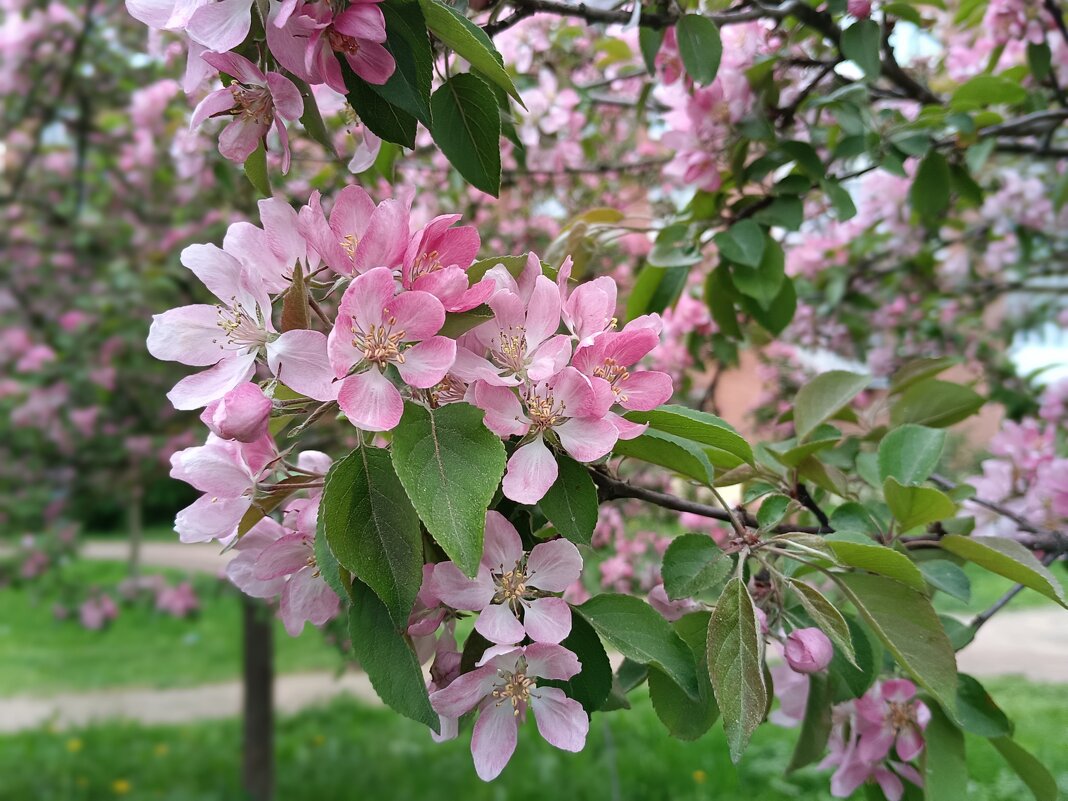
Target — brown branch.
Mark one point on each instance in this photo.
(980, 619)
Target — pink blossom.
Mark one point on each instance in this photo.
(359, 235)
(437, 259)
(887, 716)
(96, 612)
(511, 583)
(671, 610)
(255, 102)
(503, 687)
(242, 414)
(306, 597)
(375, 328)
(179, 600)
(808, 650)
(791, 690)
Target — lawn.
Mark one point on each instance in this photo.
(42, 655)
(348, 751)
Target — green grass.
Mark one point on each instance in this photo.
(41, 655)
(349, 751)
(988, 587)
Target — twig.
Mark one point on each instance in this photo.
(980, 619)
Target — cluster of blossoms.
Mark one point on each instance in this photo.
(309, 39)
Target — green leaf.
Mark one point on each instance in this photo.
(929, 193)
(326, 563)
(919, 370)
(383, 118)
(916, 506)
(408, 87)
(852, 681)
(683, 718)
(824, 395)
(655, 289)
(816, 725)
(824, 615)
(1033, 773)
(709, 430)
(935, 403)
(860, 44)
(875, 558)
(372, 529)
(513, 264)
(638, 632)
(675, 453)
(470, 42)
(467, 128)
(450, 465)
(311, 119)
(256, 170)
(779, 313)
(700, 47)
(736, 664)
(945, 770)
(674, 247)
(743, 243)
(907, 625)
(762, 284)
(571, 502)
(649, 41)
(910, 453)
(459, 323)
(771, 511)
(388, 658)
(693, 563)
(987, 90)
(591, 685)
(949, 578)
(1039, 59)
(977, 711)
(1007, 558)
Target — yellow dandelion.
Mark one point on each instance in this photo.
(74, 745)
(700, 777)
(161, 750)
(121, 787)
(318, 740)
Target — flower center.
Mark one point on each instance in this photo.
(349, 243)
(426, 263)
(253, 102)
(614, 373)
(543, 412)
(514, 688)
(901, 715)
(511, 586)
(380, 344)
(511, 350)
(448, 390)
(240, 329)
(342, 43)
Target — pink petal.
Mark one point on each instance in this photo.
(554, 566)
(645, 390)
(543, 312)
(288, 101)
(202, 388)
(464, 693)
(909, 744)
(240, 138)
(898, 691)
(531, 471)
(153, 13)
(625, 428)
(307, 597)
(591, 307)
(240, 572)
(550, 358)
(373, 63)
(561, 720)
(574, 391)
(849, 776)
(503, 548)
(367, 297)
(890, 784)
(219, 271)
(370, 401)
(455, 589)
(216, 469)
(281, 227)
(189, 335)
(875, 745)
(341, 349)
(299, 360)
(364, 21)
(498, 623)
(494, 739)
(426, 363)
(504, 413)
(216, 103)
(209, 518)
(386, 237)
(419, 315)
(547, 619)
(221, 26)
(352, 211)
(283, 557)
(587, 438)
(549, 661)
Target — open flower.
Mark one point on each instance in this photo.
(437, 259)
(255, 101)
(888, 716)
(503, 688)
(376, 328)
(511, 583)
(306, 597)
(228, 336)
(359, 235)
(568, 407)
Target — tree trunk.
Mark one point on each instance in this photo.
(257, 770)
(135, 527)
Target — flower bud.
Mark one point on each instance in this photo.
(762, 618)
(808, 650)
(861, 9)
(241, 414)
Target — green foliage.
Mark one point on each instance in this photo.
(823, 396)
(699, 47)
(571, 502)
(693, 563)
(1006, 558)
(916, 506)
(910, 454)
(683, 718)
(467, 128)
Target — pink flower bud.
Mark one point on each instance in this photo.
(808, 650)
(763, 618)
(861, 9)
(241, 414)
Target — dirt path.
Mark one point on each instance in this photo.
(1031, 643)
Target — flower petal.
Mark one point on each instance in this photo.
(532, 470)
(498, 623)
(547, 619)
(283, 557)
(202, 388)
(554, 566)
(561, 720)
(370, 401)
(587, 438)
(494, 739)
(455, 589)
(464, 693)
(299, 360)
(503, 547)
(550, 661)
(189, 335)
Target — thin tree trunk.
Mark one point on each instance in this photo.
(257, 770)
(135, 526)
